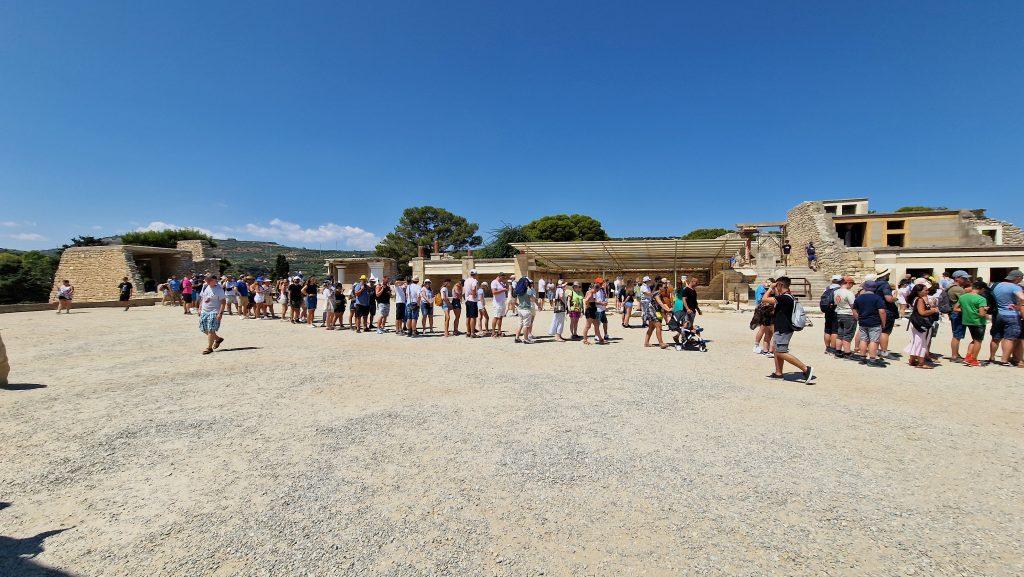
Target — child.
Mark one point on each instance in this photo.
(973, 307)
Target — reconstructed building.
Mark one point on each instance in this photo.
(95, 271)
(348, 270)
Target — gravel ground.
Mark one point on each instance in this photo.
(304, 452)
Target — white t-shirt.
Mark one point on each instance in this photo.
(844, 301)
(210, 298)
(414, 292)
(601, 300)
(480, 295)
(469, 288)
(328, 293)
(541, 285)
(400, 294)
(499, 297)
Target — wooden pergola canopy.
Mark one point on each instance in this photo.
(631, 255)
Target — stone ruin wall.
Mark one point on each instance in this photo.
(95, 273)
(808, 222)
(1012, 234)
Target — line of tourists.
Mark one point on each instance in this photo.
(859, 321)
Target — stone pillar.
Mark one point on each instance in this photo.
(376, 268)
(468, 263)
(419, 267)
(522, 265)
(985, 272)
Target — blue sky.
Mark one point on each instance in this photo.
(315, 123)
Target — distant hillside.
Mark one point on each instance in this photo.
(259, 256)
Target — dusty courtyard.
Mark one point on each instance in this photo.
(304, 452)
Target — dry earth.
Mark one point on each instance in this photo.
(303, 452)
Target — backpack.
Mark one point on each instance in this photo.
(945, 306)
(828, 300)
(799, 318)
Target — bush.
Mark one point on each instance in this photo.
(26, 277)
(165, 238)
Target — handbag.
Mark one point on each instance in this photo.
(920, 322)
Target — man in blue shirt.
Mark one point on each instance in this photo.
(362, 291)
(175, 285)
(870, 311)
(243, 296)
(1006, 323)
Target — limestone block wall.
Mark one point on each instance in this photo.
(1012, 235)
(808, 222)
(95, 272)
(200, 249)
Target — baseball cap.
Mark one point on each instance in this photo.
(472, 271)
(837, 277)
(961, 274)
(362, 277)
(426, 281)
(1015, 274)
(599, 280)
(647, 279)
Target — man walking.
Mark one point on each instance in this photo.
(469, 290)
(211, 311)
(784, 304)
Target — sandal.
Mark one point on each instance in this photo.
(216, 343)
(207, 351)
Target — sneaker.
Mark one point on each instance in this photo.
(380, 331)
(777, 377)
(757, 349)
(878, 363)
(969, 362)
(809, 374)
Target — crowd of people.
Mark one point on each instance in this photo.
(579, 313)
(859, 321)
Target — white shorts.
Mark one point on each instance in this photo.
(497, 309)
(258, 298)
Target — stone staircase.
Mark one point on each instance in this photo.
(819, 281)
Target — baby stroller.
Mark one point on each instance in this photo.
(686, 339)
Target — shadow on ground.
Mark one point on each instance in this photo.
(17, 555)
(21, 386)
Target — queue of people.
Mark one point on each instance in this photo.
(859, 320)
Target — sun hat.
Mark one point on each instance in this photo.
(961, 274)
(362, 277)
(426, 281)
(870, 277)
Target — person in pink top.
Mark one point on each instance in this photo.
(469, 289)
(186, 294)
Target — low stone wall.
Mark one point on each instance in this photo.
(29, 307)
(95, 272)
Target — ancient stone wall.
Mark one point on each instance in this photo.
(200, 249)
(95, 272)
(808, 222)
(1012, 235)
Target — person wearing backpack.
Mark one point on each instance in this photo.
(870, 312)
(884, 290)
(827, 304)
(846, 323)
(947, 306)
(789, 318)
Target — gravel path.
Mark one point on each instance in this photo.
(305, 452)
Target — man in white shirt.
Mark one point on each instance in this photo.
(211, 311)
(412, 306)
(499, 292)
(401, 298)
(542, 286)
(469, 291)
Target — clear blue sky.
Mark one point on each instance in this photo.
(313, 123)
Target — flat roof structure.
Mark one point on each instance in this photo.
(627, 255)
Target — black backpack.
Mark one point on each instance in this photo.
(828, 300)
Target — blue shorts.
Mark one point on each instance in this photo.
(311, 303)
(428, 311)
(208, 322)
(959, 330)
(1005, 327)
(412, 312)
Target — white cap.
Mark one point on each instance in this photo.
(472, 271)
(647, 279)
(870, 277)
(837, 277)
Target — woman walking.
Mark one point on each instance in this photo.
(65, 293)
(660, 308)
(922, 317)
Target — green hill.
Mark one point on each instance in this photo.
(258, 256)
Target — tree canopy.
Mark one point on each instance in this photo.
(26, 277)
(919, 208)
(281, 266)
(501, 241)
(705, 233)
(565, 227)
(167, 238)
(421, 226)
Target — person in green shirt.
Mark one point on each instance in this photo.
(973, 307)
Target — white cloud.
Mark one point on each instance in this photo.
(158, 225)
(96, 227)
(14, 224)
(350, 237)
(27, 236)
